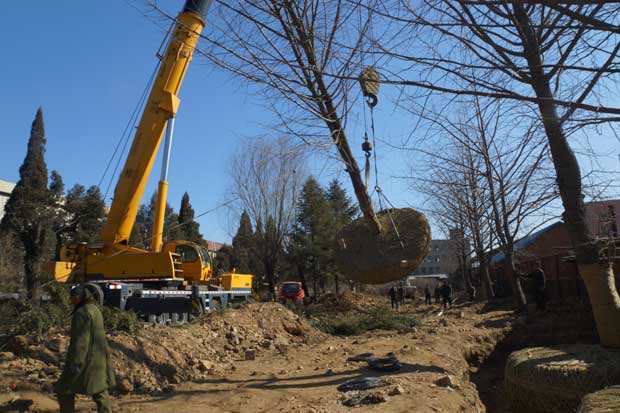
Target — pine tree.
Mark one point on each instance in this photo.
(313, 233)
(27, 212)
(343, 211)
(142, 232)
(189, 228)
(224, 258)
(243, 245)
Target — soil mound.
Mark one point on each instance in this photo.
(158, 357)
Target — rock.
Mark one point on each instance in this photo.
(6, 356)
(58, 344)
(250, 355)
(125, 386)
(443, 322)
(293, 329)
(229, 347)
(267, 344)
(167, 370)
(447, 381)
(44, 354)
(19, 344)
(329, 372)
(397, 390)
(462, 314)
(205, 365)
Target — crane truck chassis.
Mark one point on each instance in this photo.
(172, 281)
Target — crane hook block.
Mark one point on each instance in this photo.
(370, 80)
(367, 147)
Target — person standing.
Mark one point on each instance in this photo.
(446, 295)
(87, 367)
(393, 298)
(401, 295)
(539, 281)
(437, 294)
(428, 299)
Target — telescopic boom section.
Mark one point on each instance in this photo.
(160, 107)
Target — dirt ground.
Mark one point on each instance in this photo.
(209, 366)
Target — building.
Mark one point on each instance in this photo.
(5, 192)
(443, 257)
(551, 246)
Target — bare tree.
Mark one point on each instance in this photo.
(555, 62)
(266, 175)
(289, 47)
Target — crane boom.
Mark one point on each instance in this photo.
(159, 110)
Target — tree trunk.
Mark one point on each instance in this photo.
(336, 284)
(601, 285)
(518, 296)
(487, 291)
(328, 110)
(597, 275)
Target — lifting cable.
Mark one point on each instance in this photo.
(369, 80)
(131, 123)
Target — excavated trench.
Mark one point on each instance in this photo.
(559, 324)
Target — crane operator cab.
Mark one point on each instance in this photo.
(195, 261)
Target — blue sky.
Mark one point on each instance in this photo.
(86, 64)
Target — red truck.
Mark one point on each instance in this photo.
(291, 291)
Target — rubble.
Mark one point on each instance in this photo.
(160, 356)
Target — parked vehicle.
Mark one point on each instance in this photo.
(291, 291)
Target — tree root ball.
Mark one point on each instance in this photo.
(607, 400)
(389, 256)
(555, 379)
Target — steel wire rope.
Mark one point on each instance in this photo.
(131, 123)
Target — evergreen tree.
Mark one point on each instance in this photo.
(27, 212)
(142, 232)
(224, 259)
(189, 227)
(243, 245)
(343, 211)
(257, 265)
(313, 233)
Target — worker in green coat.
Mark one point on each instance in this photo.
(87, 368)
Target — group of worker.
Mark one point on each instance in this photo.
(443, 295)
(397, 296)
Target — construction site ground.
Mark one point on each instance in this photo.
(265, 358)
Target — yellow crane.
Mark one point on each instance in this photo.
(172, 280)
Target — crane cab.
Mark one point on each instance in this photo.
(195, 261)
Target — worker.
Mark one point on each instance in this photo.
(471, 289)
(437, 293)
(401, 295)
(446, 295)
(538, 278)
(393, 297)
(87, 367)
(428, 299)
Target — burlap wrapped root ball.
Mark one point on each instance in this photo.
(379, 258)
(607, 400)
(549, 380)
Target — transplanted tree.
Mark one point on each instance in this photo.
(28, 211)
(189, 227)
(243, 245)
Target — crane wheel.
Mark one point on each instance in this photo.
(554, 380)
